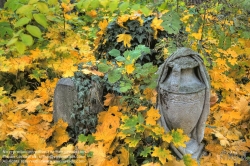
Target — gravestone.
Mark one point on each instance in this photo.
(68, 101)
(65, 96)
(184, 98)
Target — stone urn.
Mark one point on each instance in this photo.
(183, 98)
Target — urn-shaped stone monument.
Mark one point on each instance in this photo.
(183, 98)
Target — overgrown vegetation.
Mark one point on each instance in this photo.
(120, 43)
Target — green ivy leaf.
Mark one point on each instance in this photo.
(38, 74)
(114, 75)
(171, 22)
(22, 21)
(21, 47)
(27, 39)
(103, 67)
(82, 138)
(146, 151)
(114, 53)
(41, 19)
(34, 31)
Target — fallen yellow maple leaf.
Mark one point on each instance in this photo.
(152, 116)
(126, 38)
(162, 153)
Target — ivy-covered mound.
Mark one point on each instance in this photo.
(134, 33)
(129, 31)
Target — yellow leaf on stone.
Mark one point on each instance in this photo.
(125, 38)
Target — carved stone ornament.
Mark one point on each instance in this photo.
(183, 98)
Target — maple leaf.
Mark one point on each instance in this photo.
(31, 106)
(112, 99)
(129, 68)
(60, 135)
(150, 94)
(125, 38)
(197, 35)
(18, 133)
(37, 159)
(167, 137)
(47, 117)
(152, 164)
(175, 163)
(133, 140)
(189, 161)
(99, 155)
(146, 151)
(5, 65)
(158, 130)
(109, 122)
(36, 142)
(67, 7)
(14, 117)
(152, 116)
(162, 154)
(65, 152)
(122, 19)
(42, 129)
(156, 25)
(124, 156)
(141, 108)
(92, 13)
(179, 138)
(222, 138)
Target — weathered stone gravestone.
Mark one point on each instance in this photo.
(65, 96)
(76, 107)
(183, 98)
